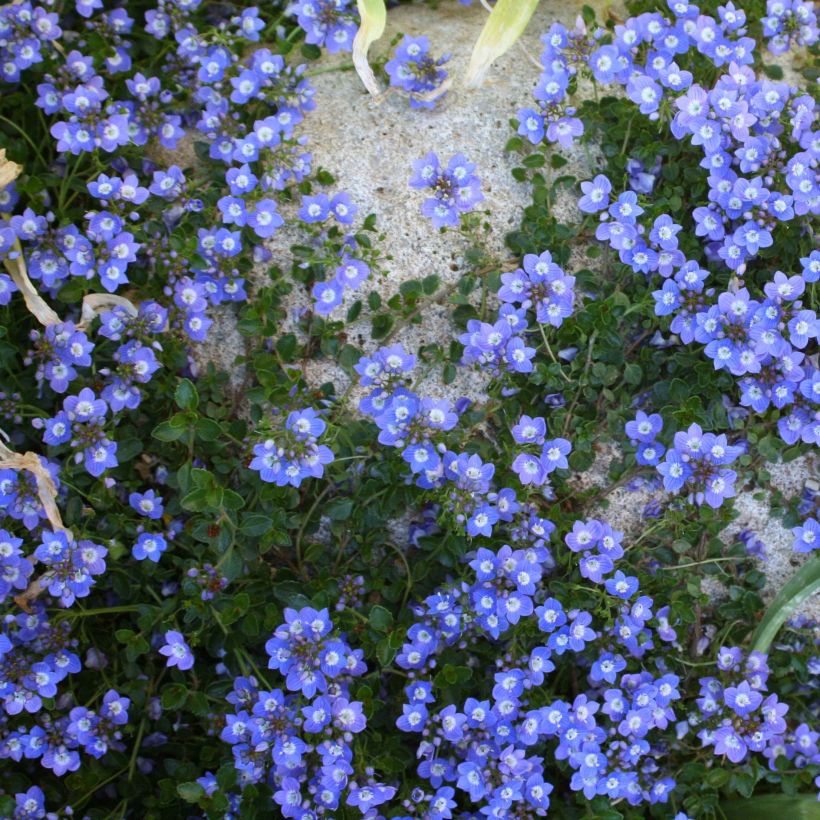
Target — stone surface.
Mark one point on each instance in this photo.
(755, 513)
(623, 511)
(369, 146)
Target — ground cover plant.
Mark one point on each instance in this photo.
(321, 599)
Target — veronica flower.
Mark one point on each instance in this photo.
(807, 536)
(455, 190)
(177, 651)
(147, 504)
(596, 195)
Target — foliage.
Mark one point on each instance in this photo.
(247, 589)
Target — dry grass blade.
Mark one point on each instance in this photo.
(373, 16)
(9, 171)
(504, 26)
(16, 268)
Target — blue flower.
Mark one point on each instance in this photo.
(456, 189)
(147, 504)
(149, 546)
(595, 195)
(177, 651)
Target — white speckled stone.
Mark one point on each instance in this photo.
(369, 147)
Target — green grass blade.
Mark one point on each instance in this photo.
(504, 26)
(373, 18)
(769, 806)
(800, 587)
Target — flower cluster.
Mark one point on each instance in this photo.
(413, 70)
(789, 23)
(293, 454)
(541, 285)
(347, 255)
(82, 424)
(302, 741)
(383, 372)
(756, 139)
(70, 566)
(455, 190)
(35, 656)
(500, 346)
(462, 482)
(19, 495)
(330, 24)
(208, 579)
(697, 464)
(643, 432)
(529, 669)
(736, 718)
(534, 468)
(488, 749)
(565, 50)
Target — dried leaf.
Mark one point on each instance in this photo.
(16, 268)
(9, 170)
(46, 489)
(96, 303)
(504, 26)
(373, 16)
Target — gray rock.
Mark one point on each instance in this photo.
(369, 146)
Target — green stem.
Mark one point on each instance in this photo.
(551, 354)
(107, 610)
(409, 584)
(330, 69)
(304, 524)
(626, 136)
(708, 561)
(27, 138)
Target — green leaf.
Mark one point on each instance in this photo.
(232, 500)
(382, 324)
(186, 396)
(255, 524)
(380, 619)
(769, 447)
(385, 653)
(196, 500)
(800, 587)
(430, 284)
(588, 15)
(208, 429)
(310, 51)
(173, 696)
(767, 806)
(354, 311)
(339, 509)
(717, 778)
(633, 373)
(165, 432)
(190, 792)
